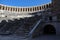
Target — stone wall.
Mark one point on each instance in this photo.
(56, 8)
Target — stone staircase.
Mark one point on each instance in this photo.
(20, 27)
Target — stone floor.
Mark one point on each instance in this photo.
(42, 37)
(12, 38)
(48, 37)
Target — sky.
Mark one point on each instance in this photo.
(24, 2)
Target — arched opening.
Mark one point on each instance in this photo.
(49, 29)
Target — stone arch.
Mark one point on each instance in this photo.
(49, 29)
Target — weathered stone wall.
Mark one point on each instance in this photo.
(56, 8)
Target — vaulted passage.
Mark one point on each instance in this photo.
(49, 29)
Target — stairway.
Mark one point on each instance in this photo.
(28, 27)
(20, 27)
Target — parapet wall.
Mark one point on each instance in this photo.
(25, 9)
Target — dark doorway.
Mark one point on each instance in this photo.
(50, 18)
(49, 29)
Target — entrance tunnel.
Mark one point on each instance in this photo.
(49, 29)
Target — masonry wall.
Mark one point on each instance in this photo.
(56, 8)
